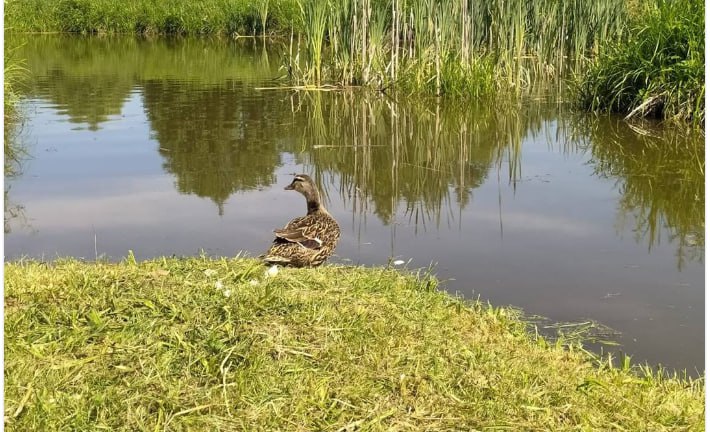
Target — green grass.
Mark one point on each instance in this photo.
(202, 344)
(230, 17)
(657, 70)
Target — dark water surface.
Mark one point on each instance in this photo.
(167, 147)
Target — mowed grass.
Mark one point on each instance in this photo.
(205, 344)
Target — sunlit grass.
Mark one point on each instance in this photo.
(657, 70)
(201, 344)
(231, 17)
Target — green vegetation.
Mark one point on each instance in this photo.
(459, 48)
(654, 66)
(201, 344)
(657, 69)
(230, 17)
(14, 74)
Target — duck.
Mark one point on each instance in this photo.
(306, 241)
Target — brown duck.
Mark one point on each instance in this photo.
(307, 240)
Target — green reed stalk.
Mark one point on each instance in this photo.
(315, 21)
(411, 43)
(263, 7)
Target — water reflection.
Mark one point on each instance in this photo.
(86, 79)
(218, 135)
(659, 173)
(212, 138)
(427, 157)
(89, 79)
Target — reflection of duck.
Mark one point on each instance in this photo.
(307, 240)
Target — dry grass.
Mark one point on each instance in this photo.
(202, 344)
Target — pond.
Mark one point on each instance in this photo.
(177, 146)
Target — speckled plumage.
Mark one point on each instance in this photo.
(306, 241)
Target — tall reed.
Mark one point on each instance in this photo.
(443, 46)
(314, 23)
(263, 8)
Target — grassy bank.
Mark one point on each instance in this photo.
(200, 344)
(657, 70)
(231, 17)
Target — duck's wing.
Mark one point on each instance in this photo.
(308, 231)
(305, 236)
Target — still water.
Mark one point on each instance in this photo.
(172, 147)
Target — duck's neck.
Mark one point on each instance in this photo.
(314, 207)
(313, 203)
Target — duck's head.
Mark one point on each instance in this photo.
(307, 187)
(304, 184)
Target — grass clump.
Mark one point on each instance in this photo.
(200, 344)
(657, 70)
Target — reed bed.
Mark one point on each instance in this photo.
(658, 70)
(217, 344)
(460, 47)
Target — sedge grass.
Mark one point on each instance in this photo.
(658, 70)
(215, 344)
